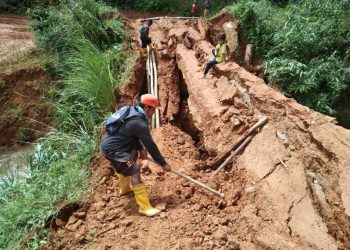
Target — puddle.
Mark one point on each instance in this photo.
(13, 161)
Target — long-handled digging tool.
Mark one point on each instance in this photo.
(174, 171)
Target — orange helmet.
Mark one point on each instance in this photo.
(150, 100)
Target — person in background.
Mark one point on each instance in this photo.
(121, 147)
(220, 52)
(207, 6)
(194, 8)
(144, 37)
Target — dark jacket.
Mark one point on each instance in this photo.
(207, 4)
(144, 30)
(128, 137)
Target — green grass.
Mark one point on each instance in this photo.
(305, 48)
(182, 7)
(86, 54)
(58, 28)
(56, 175)
(91, 75)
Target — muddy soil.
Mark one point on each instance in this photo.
(288, 189)
(24, 113)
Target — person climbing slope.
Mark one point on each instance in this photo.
(220, 52)
(144, 37)
(122, 143)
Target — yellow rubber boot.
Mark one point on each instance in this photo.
(124, 184)
(150, 47)
(143, 52)
(141, 196)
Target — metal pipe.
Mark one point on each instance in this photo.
(155, 86)
(148, 74)
(233, 154)
(151, 72)
(154, 117)
(168, 17)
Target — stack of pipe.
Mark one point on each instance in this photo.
(152, 82)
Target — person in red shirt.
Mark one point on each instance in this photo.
(194, 8)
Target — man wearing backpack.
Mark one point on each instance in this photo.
(122, 143)
(144, 36)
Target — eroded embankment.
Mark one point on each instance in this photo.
(287, 190)
(25, 114)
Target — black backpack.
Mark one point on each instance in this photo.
(115, 121)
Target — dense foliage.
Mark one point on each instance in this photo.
(182, 7)
(22, 5)
(305, 47)
(85, 53)
(78, 40)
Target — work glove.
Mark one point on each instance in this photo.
(166, 167)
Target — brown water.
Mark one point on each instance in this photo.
(13, 161)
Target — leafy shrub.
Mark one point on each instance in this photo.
(304, 46)
(21, 5)
(150, 5)
(58, 28)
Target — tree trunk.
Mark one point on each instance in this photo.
(248, 56)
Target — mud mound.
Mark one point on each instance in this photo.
(288, 189)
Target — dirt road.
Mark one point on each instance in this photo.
(15, 36)
(289, 189)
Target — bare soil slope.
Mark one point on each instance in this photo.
(289, 189)
(24, 113)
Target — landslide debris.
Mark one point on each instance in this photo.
(288, 189)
